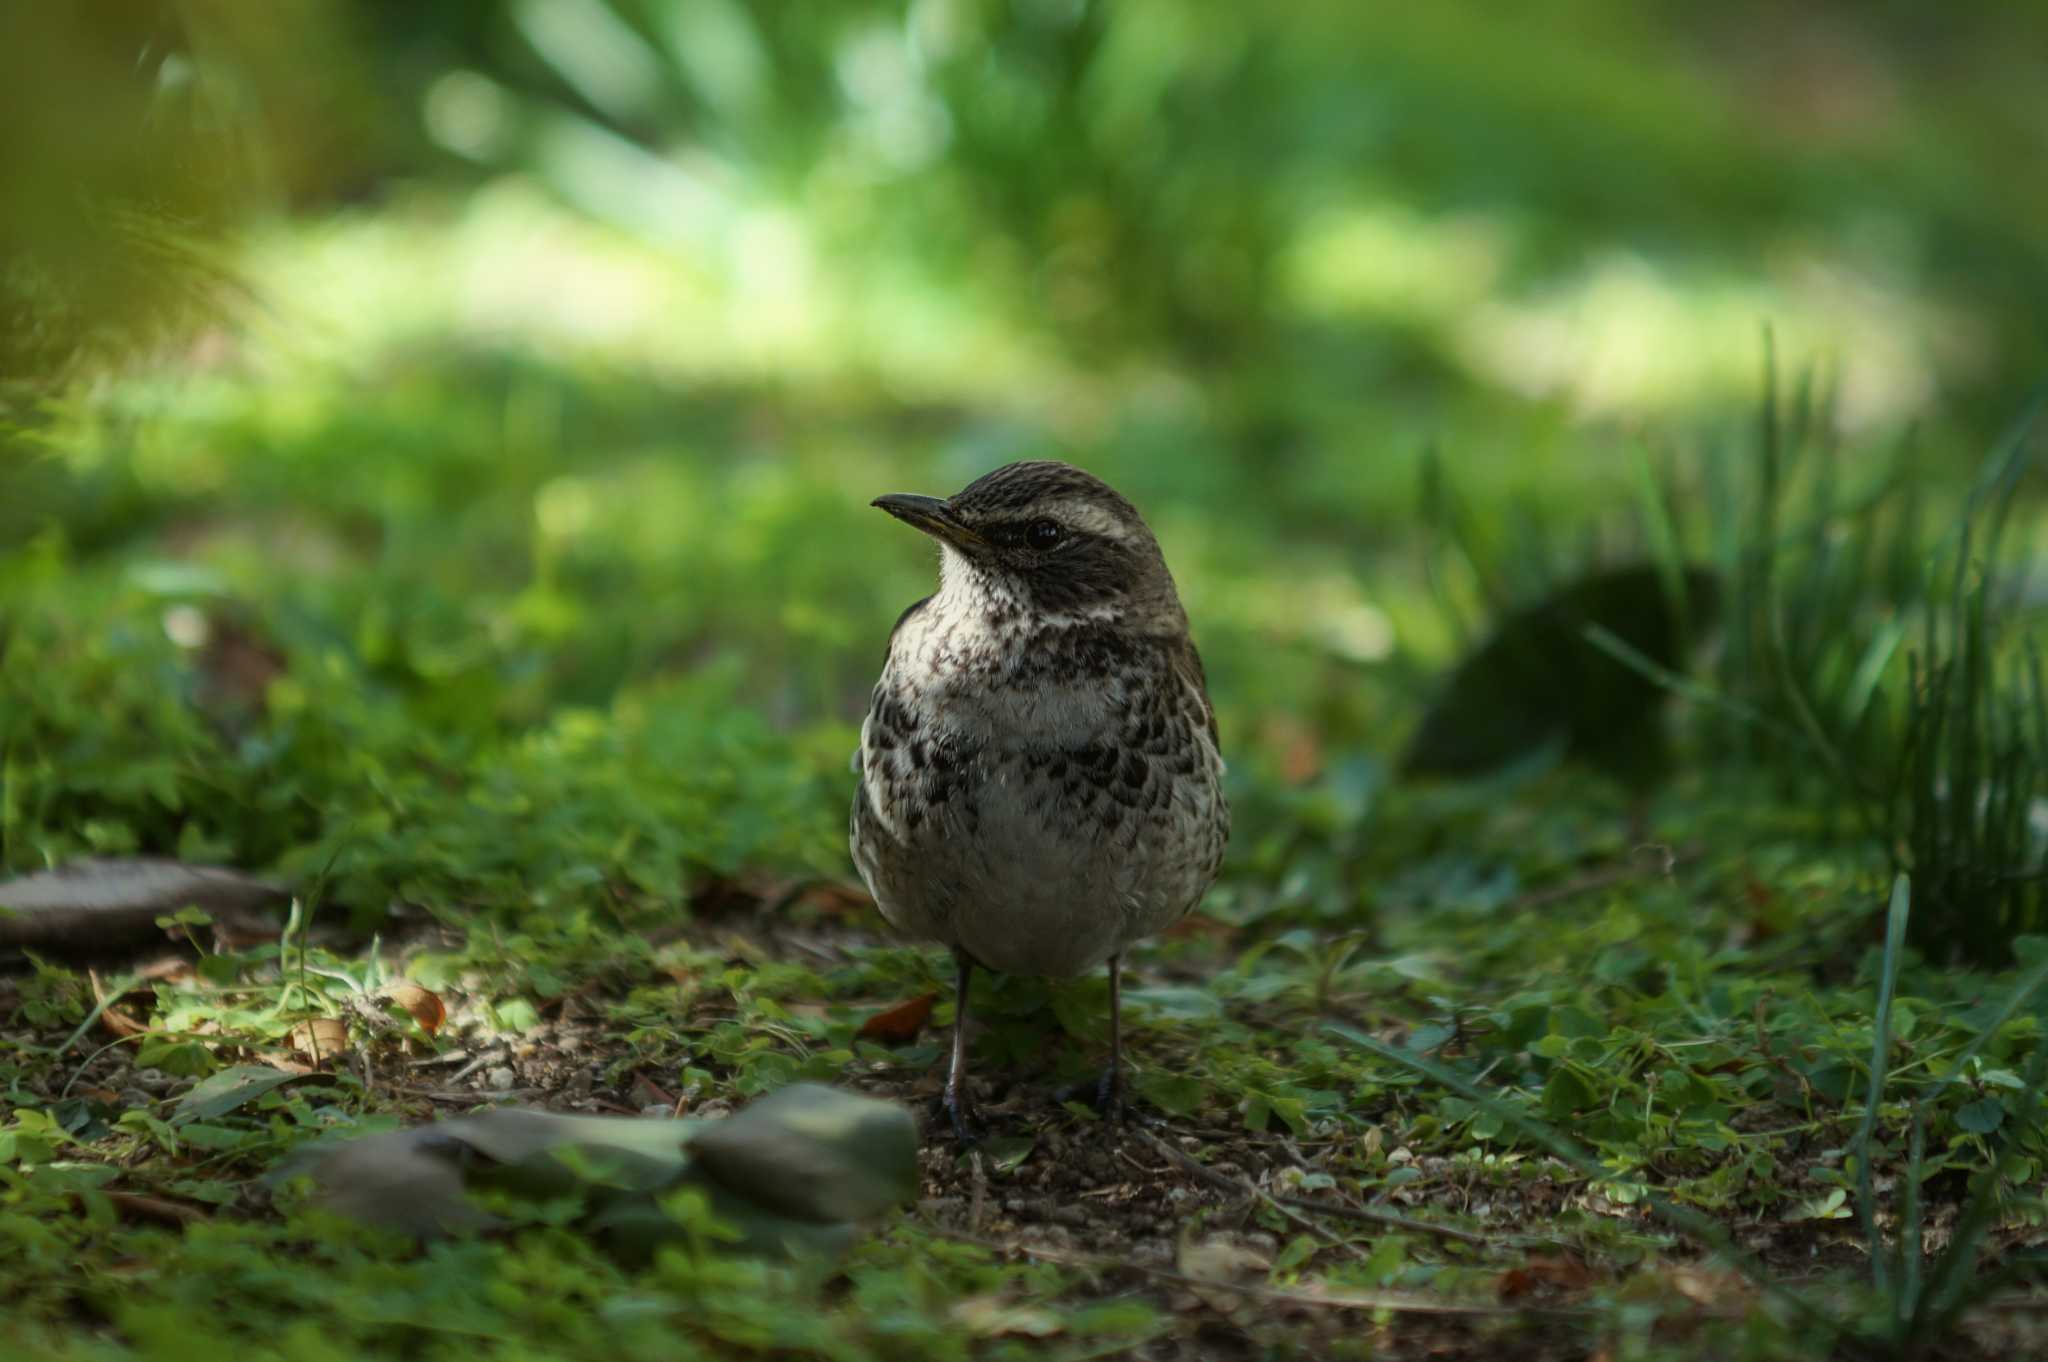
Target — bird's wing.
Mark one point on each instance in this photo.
(1187, 665)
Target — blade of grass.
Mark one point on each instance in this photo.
(1880, 1054)
(1912, 1227)
(1684, 686)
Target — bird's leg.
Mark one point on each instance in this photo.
(957, 1107)
(1109, 1093)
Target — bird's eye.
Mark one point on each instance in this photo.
(1043, 534)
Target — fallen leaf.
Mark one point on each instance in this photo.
(992, 1316)
(1707, 1288)
(1199, 926)
(322, 1038)
(236, 664)
(135, 1206)
(425, 1005)
(167, 969)
(1220, 1258)
(900, 1024)
(113, 1018)
(1544, 1273)
(648, 1093)
(832, 896)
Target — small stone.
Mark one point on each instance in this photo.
(500, 1078)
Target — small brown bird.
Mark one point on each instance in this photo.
(1040, 782)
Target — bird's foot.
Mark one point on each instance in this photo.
(960, 1112)
(1105, 1094)
(1109, 1096)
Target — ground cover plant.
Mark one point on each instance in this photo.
(486, 575)
(605, 838)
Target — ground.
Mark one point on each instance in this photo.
(1359, 1213)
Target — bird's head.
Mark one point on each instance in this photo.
(1052, 540)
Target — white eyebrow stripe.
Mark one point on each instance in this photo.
(1092, 518)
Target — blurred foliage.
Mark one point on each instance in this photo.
(140, 132)
(1391, 196)
(1300, 210)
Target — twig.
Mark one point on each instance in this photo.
(1338, 1208)
(475, 1096)
(1246, 1187)
(1402, 1222)
(1394, 1302)
(1617, 873)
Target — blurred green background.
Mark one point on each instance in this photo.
(422, 378)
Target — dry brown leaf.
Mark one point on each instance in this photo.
(1546, 1273)
(278, 1059)
(900, 1024)
(116, 1021)
(831, 896)
(168, 969)
(648, 1093)
(1198, 926)
(236, 664)
(991, 1316)
(1707, 1288)
(322, 1038)
(1223, 1260)
(425, 1005)
(135, 1206)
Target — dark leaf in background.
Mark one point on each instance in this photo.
(1537, 681)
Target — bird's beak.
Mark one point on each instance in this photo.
(931, 515)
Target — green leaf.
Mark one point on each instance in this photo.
(1175, 1094)
(1006, 1153)
(227, 1090)
(1981, 1117)
(200, 1135)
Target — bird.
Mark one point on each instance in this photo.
(1040, 776)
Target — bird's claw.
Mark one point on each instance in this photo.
(1109, 1096)
(1105, 1094)
(961, 1114)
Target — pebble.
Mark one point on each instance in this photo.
(500, 1078)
